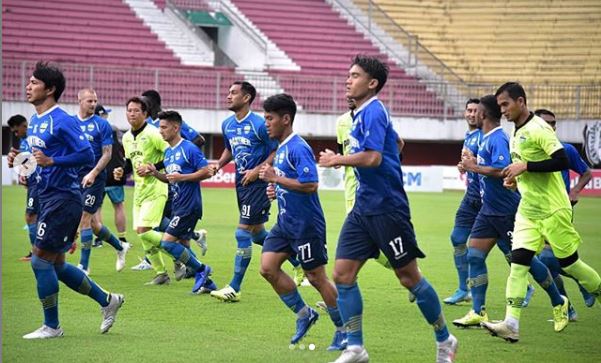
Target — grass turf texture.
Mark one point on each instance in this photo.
(167, 324)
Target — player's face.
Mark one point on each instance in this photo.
(549, 119)
(36, 92)
(168, 130)
(510, 108)
(359, 83)
(478, 116)
(87, 103)
(470, 114)
(20, 130)
(236, 98)
(135, 115)
(275, 124)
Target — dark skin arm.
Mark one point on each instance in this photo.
(268, 174)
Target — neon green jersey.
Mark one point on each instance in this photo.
(542, 193)
(147, 147)
(343, 129)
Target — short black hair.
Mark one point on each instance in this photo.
(492, 110)
(153, 97)
(281, 104)
(172, 116)
(472, 100)
(52, 76)
(140, 100)
(16, 120)
(247, 89)
(514, 90)
(374, 67)
(543, 111)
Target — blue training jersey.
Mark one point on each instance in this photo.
(300, 214)
(249, 143)
(576, 164)
(471, 142)
(494, 152)
(57, 134)
(186, 131)
(99, 133)
(185, 158)
(381, 188)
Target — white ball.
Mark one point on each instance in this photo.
(311, 346)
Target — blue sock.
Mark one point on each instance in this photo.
(427, 301)
(335, 316)
(243, 256)
(350, 305)
(259, 237)
(190, 251)
(478, 281)
(106, 235)
(77, 280)
(459, 238)
(86, 247)
(47, 285)
(181, 254)
(32, 232)
(548, 258)
(294, 301)
(541, 274)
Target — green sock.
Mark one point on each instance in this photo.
(586, 276)
(151, 242)
(517, 283)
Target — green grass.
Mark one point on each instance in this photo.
(167, 324)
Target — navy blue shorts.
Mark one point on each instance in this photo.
(311, 252)
(253, 204)
(116, 193)
(467, 212)
(57, 224)
(93, 195)
(182, 226)
(33, 204)
(363, 237)
(500, 227)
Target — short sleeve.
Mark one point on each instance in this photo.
(547, 139)
(196, 158)
(226, 141)
(576, 163)
(304, 163)
(188, 132)
(499, 153)
(107, 134)
(375, 122)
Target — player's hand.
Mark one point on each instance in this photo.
(460, 167)
(152, 170)
(174, 177)
(468, 163)
(267, 173)
(510, 184)
(465, 152)
(88, 179)
(41, 158)
(11, 156)
(512, 171)
(142, 170)
(249, 176)
(214, 168)
(118, 173)
(573, 196)
(23, 180)
(327, 159)
(271, 191)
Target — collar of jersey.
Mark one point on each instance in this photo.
(493, 130)
(48, 111)
(364, 105)
(243, 118)
(178, 144)
(139, 131)
(288, 138)
(84, 119)
(469, 133)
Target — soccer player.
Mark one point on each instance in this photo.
(18, 125)
(495, 220)
(143, 144)
(544, 212)
(60, 149)
(248, 144)
(579, 166)
(380, 219)
(93, 180)
(185, 166)
(300, 228)
(469, 207)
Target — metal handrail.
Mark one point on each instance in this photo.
(233, 17)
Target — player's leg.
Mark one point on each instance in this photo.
(146, 217)
(117, 196)
(86, 236)
(31, 218)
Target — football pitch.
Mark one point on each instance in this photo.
(168, 324)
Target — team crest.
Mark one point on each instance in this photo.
(178, 155)
(43, 127)
(246, 129)
(90, 127)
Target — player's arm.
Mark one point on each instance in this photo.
(199, 141)
(547, 140)
(198, 175)
(79, 147)
(252, 174)
(362, 159)
(268, 174)
(469, 164)
(226, 157)
(152, 170)
(400, 143)
(107, 152)
(579, 166)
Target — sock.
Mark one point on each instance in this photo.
(428, 303)
(459, 238)
(242, 259)
(190, 251)
(350, 305)
(478, 281)
(181, 254)
(541, 274)
(86, 247)
(295, 302)
(31, 228)
(586, 276)
(335, 316)
(106, 235)
(548, 258)
(517, 283)
(151, 242)
(47, 286)
(121, 236)
(259, 237)
(77, 280)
